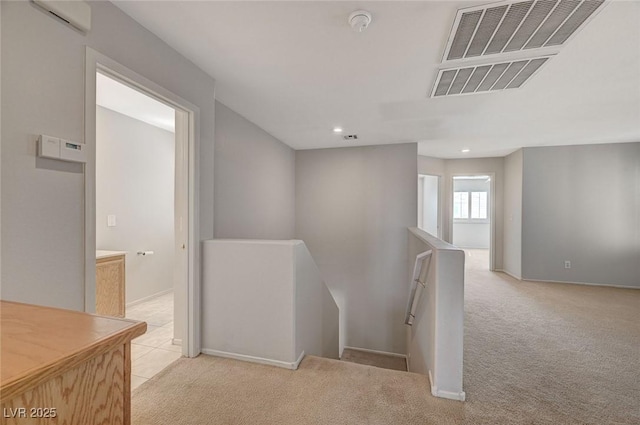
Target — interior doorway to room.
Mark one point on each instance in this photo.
(472, 218)
(140, 214)
(186, 310)
(429, 204)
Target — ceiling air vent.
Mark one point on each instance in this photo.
(516, 26)
(486, 78)
(350, 137)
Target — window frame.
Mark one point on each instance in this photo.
(469, 218)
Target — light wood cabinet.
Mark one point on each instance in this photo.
(110, 285)
(65, 367)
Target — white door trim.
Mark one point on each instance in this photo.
(439, 209)
(94, 62)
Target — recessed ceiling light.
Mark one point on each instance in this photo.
(337, 129)
(465, 150)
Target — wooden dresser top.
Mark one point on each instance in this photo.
(38, 342)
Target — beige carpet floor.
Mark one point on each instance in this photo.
(535, 353)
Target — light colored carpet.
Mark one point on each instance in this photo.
(210, 390)
(374, 359)
(535, 353)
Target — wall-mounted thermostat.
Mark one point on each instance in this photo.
(64, 150)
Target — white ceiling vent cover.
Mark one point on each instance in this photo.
(516, 26)
(486, 78)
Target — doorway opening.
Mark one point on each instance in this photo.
(180, 212)
(429, 204)
(472, 218)
(138, 215)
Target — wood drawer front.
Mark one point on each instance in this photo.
(110, 286)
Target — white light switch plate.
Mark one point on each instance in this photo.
(111, 220)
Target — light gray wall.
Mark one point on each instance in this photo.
(433, 166)
(450, 167)
(353, 207)
(135, 171)
(512, 259)
(254, 181)
(43, 65)
(272, 326)
(316, 313)
(247, 288)
(471, 233)
(582, 204)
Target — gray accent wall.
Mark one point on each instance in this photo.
(582, 204)
(43, 85)
(254, 180)
(512, 259)
(353, 207)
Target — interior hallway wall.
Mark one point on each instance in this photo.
(430, 165)
(254, 180)
(450, 167)
(513, 214)
(135, 171)
(43, 85)
(353, 208)
(582, 204)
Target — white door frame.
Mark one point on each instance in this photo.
(439, 209)
(190, 312)
(492, 213)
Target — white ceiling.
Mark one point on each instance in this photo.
(118, 97)
(297, 70)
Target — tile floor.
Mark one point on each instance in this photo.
(153, 351)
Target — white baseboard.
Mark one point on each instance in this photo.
(460, 396)
(176, 341)
(385, 353)
(581, 283)
(297, 363)
(566, 281)
(253, 359)
(509, 273)
(150, 297)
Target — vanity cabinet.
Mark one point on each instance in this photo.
(110, 283)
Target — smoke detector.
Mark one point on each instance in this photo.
(360, 20)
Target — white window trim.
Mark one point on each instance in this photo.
(470, 220)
